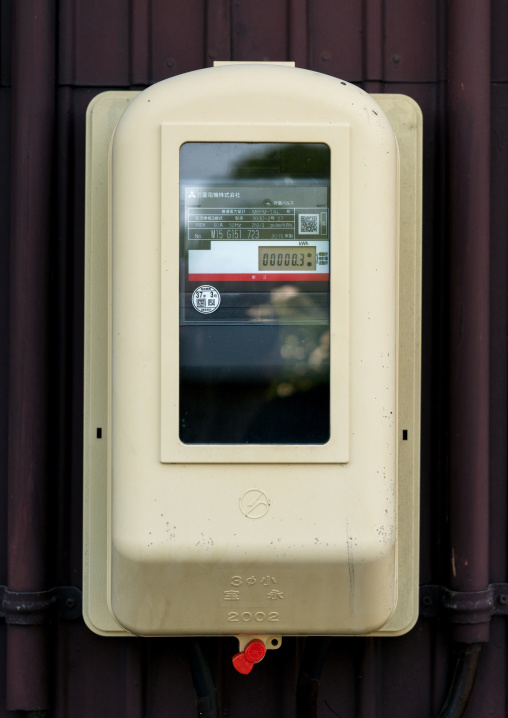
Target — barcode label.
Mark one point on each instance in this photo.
(308, 224)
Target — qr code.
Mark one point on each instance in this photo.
(308, 224)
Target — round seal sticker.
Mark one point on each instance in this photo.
(205, 299)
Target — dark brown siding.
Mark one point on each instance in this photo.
(383, 45)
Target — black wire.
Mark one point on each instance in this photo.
(462, 682)
(204, 685)
(310, 673)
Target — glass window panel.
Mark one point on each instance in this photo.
(254, 293)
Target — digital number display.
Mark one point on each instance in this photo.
(290, 258)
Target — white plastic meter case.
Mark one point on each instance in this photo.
(252, 357)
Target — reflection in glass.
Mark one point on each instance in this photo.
(255, 369)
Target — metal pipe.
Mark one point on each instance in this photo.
(33, 95)
(469, 199)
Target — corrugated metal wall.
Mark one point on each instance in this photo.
(54, 59)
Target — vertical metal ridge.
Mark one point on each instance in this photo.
(373, 45)
(298, 26)
(32, 160)
(133, 707)
(140, 55)
(368, 688)
(469, 230)
(66, 70)
(218, 31)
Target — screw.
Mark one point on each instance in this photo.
(170, 62)
(503, 598)
(427, 601)
(325, 56)
(396, 58)
(70, 602)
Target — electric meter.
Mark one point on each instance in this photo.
(252, 358)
